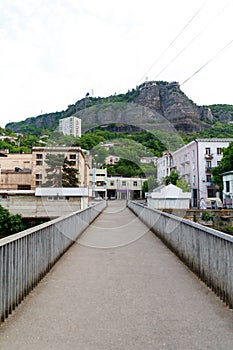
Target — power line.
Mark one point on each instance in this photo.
(176, 37)
(208, 62)
(193, 39)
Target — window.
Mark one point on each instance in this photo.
(39, 162)
(135, 183)
(219, 150)
(24, 187)
(58, 198)
(38, 176)
(194, 179)
(38, 183)
(39, 156)
(218, 162)
(112, 183)
(72, 156)
(208, 164)
(208, 178)
(123, 183)
(227, 186)
(207, 151)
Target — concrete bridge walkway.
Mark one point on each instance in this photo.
(119, 288)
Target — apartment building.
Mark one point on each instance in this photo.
(98, 182)
(15, 171)
(194, 162)
(70, 126)
(28, 171)
(75, 156)
(124, 187)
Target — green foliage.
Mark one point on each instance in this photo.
(54, 170)
(207, 216)
(226, 164)
(172, 178)
(124, 168)
(10, 224)
(69, 174)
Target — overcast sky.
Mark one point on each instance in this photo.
(54, 52)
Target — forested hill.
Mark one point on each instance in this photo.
(160, 98)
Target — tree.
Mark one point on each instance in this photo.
(10, 223)
(172, 178)
(69, 175)
(226, 164)
(54, 170)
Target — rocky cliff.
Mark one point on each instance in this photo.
(155, 99)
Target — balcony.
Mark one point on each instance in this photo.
(209, 156)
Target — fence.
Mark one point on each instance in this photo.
(27, 256)
(207, 252)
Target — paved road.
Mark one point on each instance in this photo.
(119, 288)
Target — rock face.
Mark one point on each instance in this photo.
(151, 103)
(174, 105)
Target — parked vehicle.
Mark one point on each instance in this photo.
(213, 203)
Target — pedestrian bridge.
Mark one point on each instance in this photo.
(118, 286)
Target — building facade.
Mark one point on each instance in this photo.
(70, 126)
(228, 189)
(74, 155)
(28, 171)
(124, 187)
(194, 163)
(98, 183)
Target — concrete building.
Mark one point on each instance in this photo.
(228, 189)
(124, 187)
(169, 197)
(70, 126)
(98, 182)
(28, 171)
(194, 162)
(15, 171)
(44, 202)
(74, 154)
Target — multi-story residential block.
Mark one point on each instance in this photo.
(28, 171)
(194, 162)
(75, 156)
(124, 187)
(70, 126)
(98, 182)
(15, 171)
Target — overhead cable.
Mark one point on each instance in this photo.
(208, 62)
(176, 37)
(193, 39)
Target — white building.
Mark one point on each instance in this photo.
(98, 182)
(44, 202)
(70, 126)
(169, 197)
(124, 187)
(227, 189)
(112, 159)
(194, 162)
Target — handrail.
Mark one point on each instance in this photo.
(26, 257)
(207, 252)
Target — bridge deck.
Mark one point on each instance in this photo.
(120, 288)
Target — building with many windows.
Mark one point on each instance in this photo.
(98, 183)
(74, 155)
(124, 187)
(194, 162)
(70, 126)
